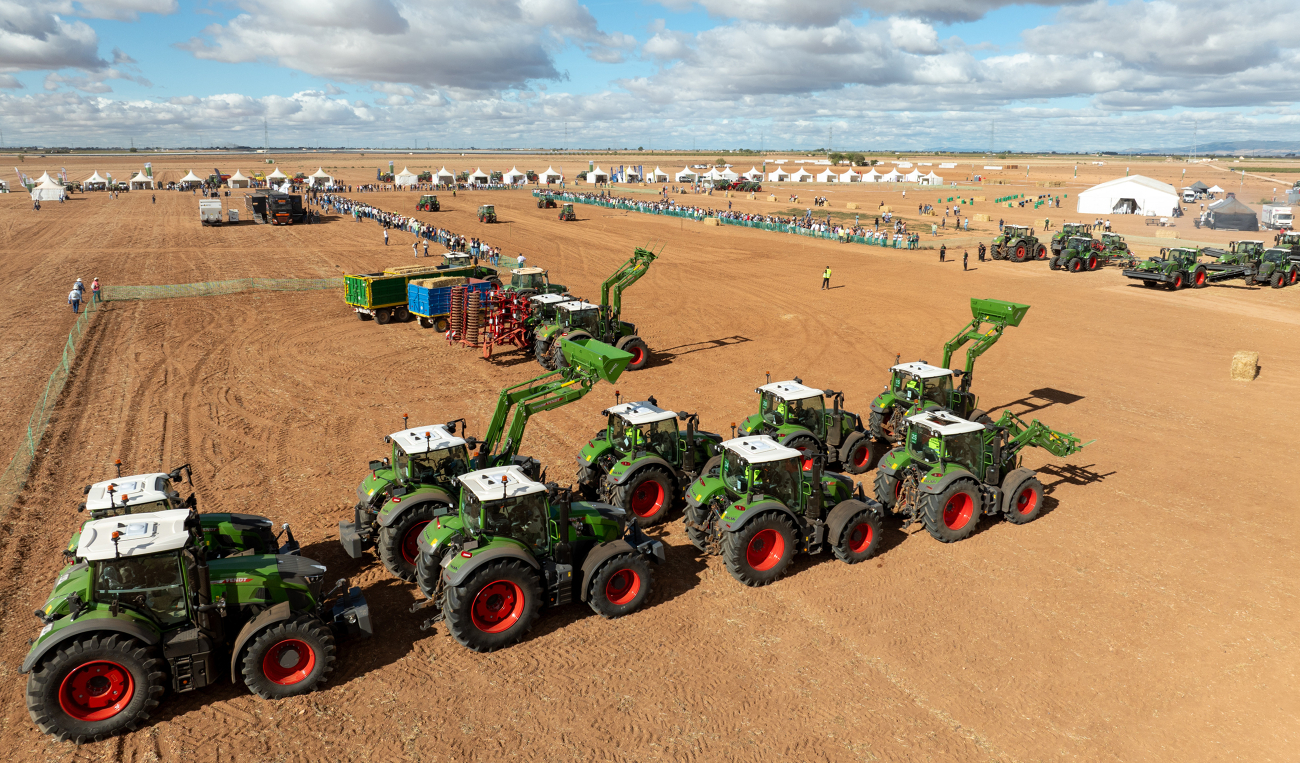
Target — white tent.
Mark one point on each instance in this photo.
(191, 179)
(894, 176)
(237, 180)
(551, 176)
(826, 176)
(515, 176)
(802, 175)
(479, 176)
(597, 175)
(320, 178)
(276, 175)
(405, 177)
(686, 174)
(712, 174)
(141, 182)
(1134, 194)
(630, 174)
(1214, 189)
(727, 174)
(47, 191)
(850, 177)
(658, 176)
(753, 174)
(4, 187)
(913, 177)
(44, 178)
(871, 176)
(778, 175)
(95, 181)
(444, 176)
(931, 179)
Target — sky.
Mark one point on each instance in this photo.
(663, 74)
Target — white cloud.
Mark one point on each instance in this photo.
(914, 36)
(34, 36)
(124, 10)
(830, 12)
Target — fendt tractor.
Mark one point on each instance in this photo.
(796, 416)
(1061, 238)
(1173, 268)
(545, 201)
(566, 213)
(642, 462)
(949, 472)
(515, 546)
(1078, 254)
(603, 322)
(762, 507)
(428, 203)
(417, 483)
(146, 609)
(1018, 244)
(487, 213)
(914, 387)
(1115, 251)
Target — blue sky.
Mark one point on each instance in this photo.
(907, 74)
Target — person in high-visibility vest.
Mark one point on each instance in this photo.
(826, 277)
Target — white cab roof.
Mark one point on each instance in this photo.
(641, 413)
(944, 423)
(922, 370)
(486, 484)
(550, 299)
(139, 534)
(575, 306)
(760, 449)
(527, 271)
(790, 390)
(456, 256)
(138, 488)
(413, 441)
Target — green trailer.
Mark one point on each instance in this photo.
(381, 297)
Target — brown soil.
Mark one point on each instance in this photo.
(1147, 616)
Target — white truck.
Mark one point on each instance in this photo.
(1276, 217)
(210, 211)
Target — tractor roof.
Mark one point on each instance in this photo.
(486, 484)
(138, 488)
(922, 370)
(640, 413)
(759, 449)
(790, 390)
(413, 441)
(139, 534)
(944, 423)
(550, 299)
(527, 271)
(575, 306)
(455, 256)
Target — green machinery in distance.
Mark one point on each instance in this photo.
(577, 319)
(566, 213)
(487, 213)
(545, 201)
(917, 386)
(428, 203)
(949, 472)
(1061, 238)
(796, 416)
(1018, 244)
(417, 483)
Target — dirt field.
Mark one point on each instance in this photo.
(1149, 615)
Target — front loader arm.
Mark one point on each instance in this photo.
(1039, 435)
(995, 312)
(611, 291)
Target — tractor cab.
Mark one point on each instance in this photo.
(503, 502)
(1246, 249)
(577, 315)
(427, 455)
(758, 465)
(916, 384)
(1080, 243)
(1276, 256)
(642, 427)
(935, 437)
(1014, 231)
(791, 403)
(544, 305)
(1076, 229)
(1113, 241)
(136, 494)
(452, 260)
(135, 563)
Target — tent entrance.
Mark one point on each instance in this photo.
(1125, 207)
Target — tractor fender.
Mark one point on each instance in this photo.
(391, 512)
(1010, 483)
(948, 479)
(642, 463)
(273, 614)
(844, 510)
(762, 507)
(500, 552)
(115, 624)
(596, 557)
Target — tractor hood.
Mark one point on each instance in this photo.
(74, 577)
(374, 483)
(266, 579)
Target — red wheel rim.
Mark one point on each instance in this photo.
(1178, 280)
(96, 691)
(411, 542)
(1092, 262)
(497, 606)
(862, 455)
(1027, 501)
(957, 512)
(1020, 252)
(807, 461)
(765, 549)
(860, 537)
(637, 355)
(648, 499)
(622, 587)
(289, 662)
(1200, 278)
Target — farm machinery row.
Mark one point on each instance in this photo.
(1183, 267)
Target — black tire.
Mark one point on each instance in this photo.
(649, 496)
(289, 658)
(1150, 284)
(588, 483)
(1054, 263)
(860, 453)
(427, 569)
(1025, 502)
(1199, 279)
(980, 416)
(876, 425)
(761, 551)
(620, 586)
(805, 444)
(383, 315)
(710, 465)
(860, 538)
(886, 488)
(1076, 265)
(112, 666)
(425, 323)
(365, 317)
(557, 348)
(1093, 261)
(542, 351)
(398, 544)
(1040, 253)
(638, 349)
(696, 515)
(1278, 280)
(495, 607)
(401, 314)
(951, 515)
(1177, 283)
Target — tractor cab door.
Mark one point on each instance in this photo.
(965, 449)
(661, 438)
(523, 518)
(811, 414)
(782, 480)
(152, 585)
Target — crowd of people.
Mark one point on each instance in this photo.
(451, 240)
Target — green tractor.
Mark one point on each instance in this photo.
(428, 203)
(566, 213)
(642, 462)
(950, 471)
(146, 609)
(1290, 242)
(762, 507)
(1249, 261)
(914, 387)
(1079, 253)
(461, 264)
(1061, 239)
(487, 213)
(533, 281)
(1115, 251)
(1018, 244)
(1174, 268)
(578, 319)
(515, 546)
(546, 201)
(417, 483)
(796, 416)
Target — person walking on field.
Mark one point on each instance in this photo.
(94, 290)
(965, 256)
(74, 299)
(943, 252)
(826, 277)
(385, 237)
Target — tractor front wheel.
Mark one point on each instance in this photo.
(761, 551)
(880, 424)
(1076, 265)
(695, 518)
(542, 351)
(1177, 282)
(1020, 254)
(951, 515)
(399, 543)
(495, 607)
(620, 586)
(95, 687)
(1025, 502)
(887, 487)
(634, 346)
(1278, 280)
(1092, 262)
(1054, 263)
(859, 539)
(649, 495)
(859, 453)
(289, 658)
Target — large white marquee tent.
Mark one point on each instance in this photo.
(514, 176)
(47, 190)
(320, 178)
(95, 181)
(550, 176)
(405, 178)
(1135, 194)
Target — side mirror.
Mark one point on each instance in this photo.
(376, 465)
(81, 506)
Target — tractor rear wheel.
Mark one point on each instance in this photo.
(494, 607)
(859, 539)
(951, 515)
(859, 452)
(1199, 278)
(1025, 502)
(637, 349)
(620, 586)
(1092, 262)
(887, 487)
(399, 543)
(649, 495)
(1293, 276)
(95, 687)
(289, 658)
(1040, 253)
(806, 445)
(761, 551)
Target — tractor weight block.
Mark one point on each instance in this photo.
(605, 361)
(996, 310)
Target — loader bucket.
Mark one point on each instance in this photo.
(597, 357)
(998, 311)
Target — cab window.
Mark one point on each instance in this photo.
(152, 584)
(522, 518)
(425, 468)
(925, 445)
(779, 479)
(965, 449)
(733, 471)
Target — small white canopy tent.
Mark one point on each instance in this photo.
(727, 174)
(405, 178)
(47, 191)
(826, 176)
(4, 187)
(931, 179)
(444, 176)
(1214, 189)
(712, 174)
(913, 177)
(802, 175)
(95, 181)
(894, 176)
(320, 178)
(551, 176)
(276, 175)
(238, 180)
(753, 174)
(514, 176)
(597, 175)
(631, 174)
(1134, 194)
(871, 176)
(658, 176)
(778, 175)
(479, 176)
(141, 182)
(850, 177)
(191, 179)
(685, 175)
(43, 178)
